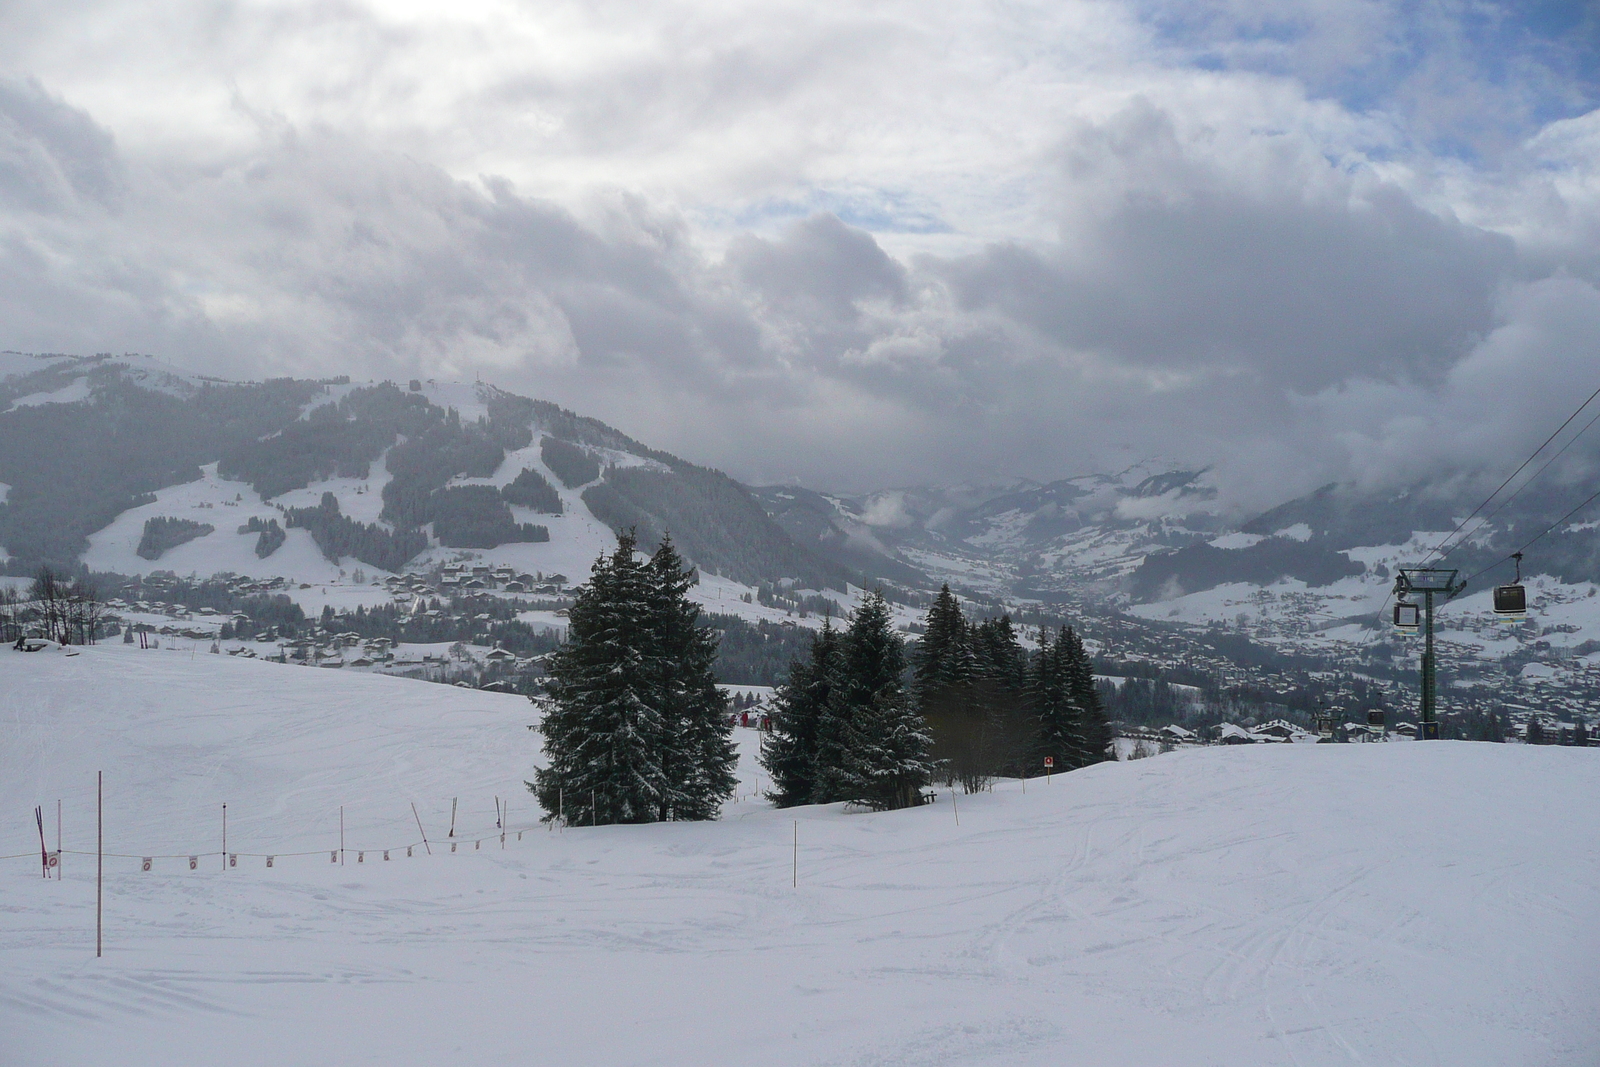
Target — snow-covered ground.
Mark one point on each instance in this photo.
(1294, 904)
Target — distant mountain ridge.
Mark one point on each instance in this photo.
(321, 476)
(94, 449)
(1016, 539)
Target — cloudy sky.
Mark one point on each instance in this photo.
(850, 245)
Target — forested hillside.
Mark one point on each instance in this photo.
(84, 440)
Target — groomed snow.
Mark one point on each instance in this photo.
(1294, 904)
(15, 363)
(77, 390)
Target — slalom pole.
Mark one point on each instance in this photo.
(44, 852)
(794, 872)
(953, 805)
(341, 835)
(452, 832)
(58, 840)
(420, 830)
(100, 858)
(224, 838)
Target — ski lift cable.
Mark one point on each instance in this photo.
(1531, 479)
(1532, 456)
(1591, 499)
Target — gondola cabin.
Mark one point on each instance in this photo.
(1407, 617)
(1511, 602)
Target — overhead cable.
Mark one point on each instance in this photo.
(1514, 473)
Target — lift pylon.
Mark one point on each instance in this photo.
(1430, 582)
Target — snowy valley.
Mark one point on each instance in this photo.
(291, 492)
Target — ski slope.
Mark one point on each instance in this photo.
(1298, 904)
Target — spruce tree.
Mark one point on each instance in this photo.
(999, 654)
(604, 735)
(698, 755)
(790, 754)
(1094, 732)
(874, 749)
(944, 655)
(1059, 725)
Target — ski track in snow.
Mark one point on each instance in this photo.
(1348, 904)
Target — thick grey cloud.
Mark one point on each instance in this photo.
(1166, 261)
(909, 243)
(50, 153)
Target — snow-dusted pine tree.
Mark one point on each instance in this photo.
(999, 655)
(698, 755)
(790, 755)
(604, 735)
(1059, 724)
(876, 743)
(944, 655)
(1094, 731)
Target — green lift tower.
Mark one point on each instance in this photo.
(1430, 582)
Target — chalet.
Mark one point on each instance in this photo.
(1278, 730)
(1229, 734)
(499, 655)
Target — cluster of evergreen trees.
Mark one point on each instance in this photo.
(575, 466)
(846, 728)
(993, 707)
(638, 730)
(339, 535)
(270, 536)
(530, 490)
(476, 516)
(165, 532)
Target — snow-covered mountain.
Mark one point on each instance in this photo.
(131, 466)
